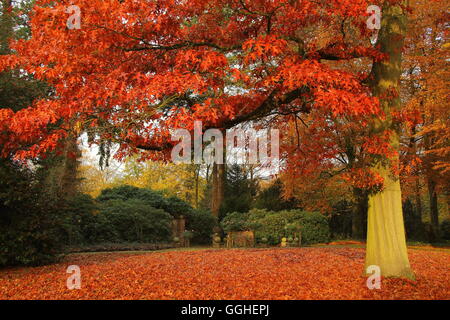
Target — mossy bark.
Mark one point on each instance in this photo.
(386, 241)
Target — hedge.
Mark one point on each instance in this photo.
(136, 221)
(275, 225)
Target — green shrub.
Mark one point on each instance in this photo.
(152, 198)
(29, 223)
(99, 229)
(202, 224)
(30, 238)
(257, 214)
(314, 227)
(83, 225)
(136, 221)
(113, 201)
(173, 205)
(236, 221)
(272, 226)
(76, 216)
(177, 207)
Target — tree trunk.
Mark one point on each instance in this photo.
(359, 214)
(218, 180)
(214, 192)
(430, 176)
(413, 152)
(386, 241)
(434, 211)
(69, 179)
(448, 201)
(197, 168)
(418, 200)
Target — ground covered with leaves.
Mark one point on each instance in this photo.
(301, 273)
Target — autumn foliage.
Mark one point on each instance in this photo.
(137, 69)
(307, 273)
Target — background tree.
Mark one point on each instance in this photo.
(272, 198)
(426, 93)
(240, 190)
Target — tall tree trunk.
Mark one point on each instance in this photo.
(359, 214)
(430, 176)
(197, 168)
(448, 201)
(417, 193)
(386, 241)
(214, 191)
(218, 180)
(418, 200)
(434, 211)
(69, 178)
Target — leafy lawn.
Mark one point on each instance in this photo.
(297, 273)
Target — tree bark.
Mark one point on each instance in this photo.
(418, 200)
(386, 241)
(359, 214)
(197, 168)
(218, 180)
(430, 176)
(434, 211)
(69, 179)
(417, 193)
(214, 192)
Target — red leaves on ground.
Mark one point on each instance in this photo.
(305, 273)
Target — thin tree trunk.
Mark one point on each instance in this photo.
(448, 201)
(413, 153)
(196, 177)
(359, 214)
(434, 211)
(218, 180)
(430, 175)
(214, 192)
(221, 184)
(386, 241)
(418, 200)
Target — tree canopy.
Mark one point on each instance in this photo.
(137, 69)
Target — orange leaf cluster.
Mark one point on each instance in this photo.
(137, 70)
